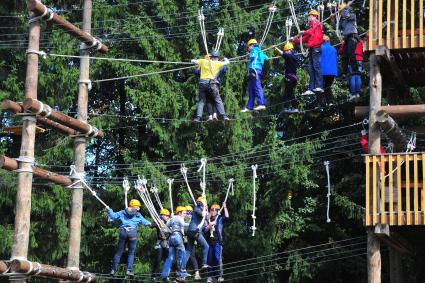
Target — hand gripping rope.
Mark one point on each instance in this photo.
(126, 187)
(295, 21)
(254, 197)
(141, 188)
(220, 36)
(326, 163)
(229, 189)
(170, 184)
(203, 182)
(272, 11)
(183, 169)
(154, 190)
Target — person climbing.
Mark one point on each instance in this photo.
(313, 39)
(365, 144)
(216, 241)
(129, 219)
(189, 211)
(255, 68)
(195, 232)
(291, 79)
(208, 85)
(355, 78)
(176, 246)
(161, 246)
(329, 68)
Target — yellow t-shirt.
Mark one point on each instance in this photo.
(205, 66)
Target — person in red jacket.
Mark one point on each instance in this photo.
(313, 39)
(365, 144)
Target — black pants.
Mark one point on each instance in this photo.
(161, 254)
(211, 89)
(289, 95)
(349, 53)
(328, 81)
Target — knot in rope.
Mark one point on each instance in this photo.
(328, 195)
(40, 53)
(126, 184)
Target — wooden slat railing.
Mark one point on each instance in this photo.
(395, 192)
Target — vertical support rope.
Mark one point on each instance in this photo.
(294, 19)
(326, 163)
(170, 184)
(126, 186)
(183, 170)
(154, 190)
(254, 198)
(288, 26)
(201, 19)
(229, 190)
(220, 36)
(203, 182)
(144, 195)
(272, 11)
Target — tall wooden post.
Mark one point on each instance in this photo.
(80, 148)
(26, 158)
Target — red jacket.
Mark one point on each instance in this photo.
(358, 51)
(313, 37)
(365, 145)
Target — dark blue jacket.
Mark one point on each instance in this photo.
(218, 232)
(196, 220)
(329, 59)
(291, 63)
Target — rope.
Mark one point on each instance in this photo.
(297, 26)
(272, 11)
(183, 170)
(201, 19)
(126, 186)
(254, 198)
(203, 167)
(220, 36)
(288, 26)
(326, 163)
(321, 9)
(170, 184)
(229, 189)
(144, 195)
(154, 190)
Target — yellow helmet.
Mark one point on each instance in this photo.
(201, 199)
(252, 41)
(134, 203)
(342, 6)
(288, 46)
(326, 38)
(189, 208)
(314, 13)
(180, 209)
(215, 206)
(165, 212)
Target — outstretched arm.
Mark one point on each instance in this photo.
(278, 50)
(226, 212)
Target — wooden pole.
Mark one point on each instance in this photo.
(11, 164)
(39, 9)
(80, 148)
(396, 111)
(51, 272)
(42, 109)
(392, 130)
(373, 244)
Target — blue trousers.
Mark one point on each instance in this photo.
(255, 90)
(355, 81)
(129, 236)
(199, 237)
(215, 260)
(176, 248)
(315, 68)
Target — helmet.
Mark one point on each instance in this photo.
(252, 41)
(288, 46)
(326, 38)
(189, 208)
(201, 199)
(314, 13)
(134, 203)
(165, 212)
(215, 53)
(342, 6)
(180, 209)
(215, 206)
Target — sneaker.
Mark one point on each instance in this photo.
(246, 110)
(112, 273)
(184, 273)
(197, 120)
(225, 118)
(352, 98)
(308, 92)
(220, 279)
(215, 116)
(210, 118)
(129, 273)
(197, 276)
(318, 89)
(180, 279)
(260, 107)
(209, 280)
(204, 266)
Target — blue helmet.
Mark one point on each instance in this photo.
(215, 53)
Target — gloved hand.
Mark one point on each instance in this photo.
(194, 61)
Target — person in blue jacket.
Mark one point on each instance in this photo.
(215, 238)
(130, 219)
(291, 79)
(329, 67)
(255, 68)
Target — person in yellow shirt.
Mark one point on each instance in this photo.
(208, 84)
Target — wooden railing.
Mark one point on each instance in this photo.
(395, 193)
(398, 24)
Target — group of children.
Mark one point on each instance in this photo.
(323, 67)
(176, 239)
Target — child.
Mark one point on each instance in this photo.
(355, 79)
(161, 246)
(130, 219)
(291, 79)
(329, 67)
(189, 211)
(255, 68)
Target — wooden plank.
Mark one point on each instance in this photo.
(415, 189)
(423, 189)
(421, 23)
(403, 156)
(371, 39)
(412, 24)
(380, 41)
(389, 24)
(404, 19)
(382, 181)
(368, 222)
(390, 187)
(407, 165)
(399, 196)
(374, 191)
(396, 8)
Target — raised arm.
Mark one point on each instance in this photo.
(114, 215)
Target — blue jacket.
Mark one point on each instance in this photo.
(222, 71)
(196, 220)
(218, 232)
(257, 58)
(128, 220)
(329, 59)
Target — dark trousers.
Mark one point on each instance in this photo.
(211, 106)
(289, 94)
(199, 237)
(161, 254)
(215, 260)
(349, 53)
(194, 260)
(129, 236)
(211, 89)
(328, 80)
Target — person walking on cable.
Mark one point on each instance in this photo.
(208, 85)
(188, 218)
(329, 68)
(255, 68)
(129, 219)
(355, 78)
(216, 241)
(291, 79)
(161, 246)
(313, 39)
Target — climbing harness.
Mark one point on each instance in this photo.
(203, 168)
(183, 170)
(272, 11)
(297, 26)
(328, 219)
(220, 35)
(170, 184)
(126, 186)
(254, 198)
(154, 190)
(141, 188)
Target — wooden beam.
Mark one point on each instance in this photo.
(393, 131)
(36, 269)
(393, 239)
(36, 106)
(39, 9)
(396, 111)
(11, 164)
